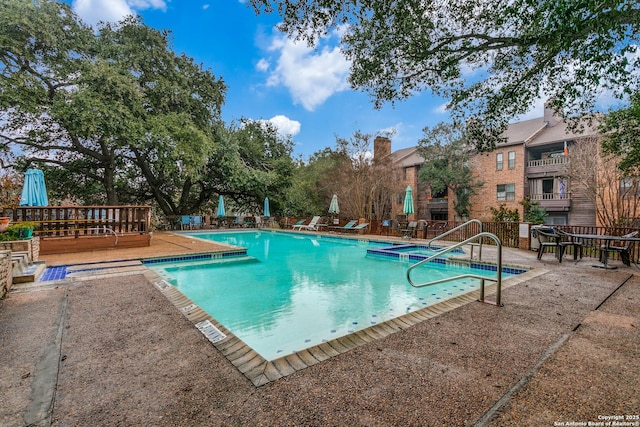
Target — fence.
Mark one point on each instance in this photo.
(64, 221)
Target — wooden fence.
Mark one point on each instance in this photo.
(65, 221)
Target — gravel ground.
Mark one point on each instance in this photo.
(115, 352)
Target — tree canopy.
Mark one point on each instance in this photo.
(115, 115)
(447, 152)
(621, 136)
(491, 58)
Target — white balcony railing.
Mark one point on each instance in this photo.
(550, 196)
(553, 161)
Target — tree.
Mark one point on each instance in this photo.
(492, 59)
(446, 151)
(364, 187)
(504, 214)
(532, 211)
(103, 107)
(621, 136)
(314, 182)
(613, 192)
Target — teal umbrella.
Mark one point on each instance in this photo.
(34, 192)
(333, 206)
(408, 201)
(266, 207)
(220, 207)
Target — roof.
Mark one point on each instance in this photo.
(406, 157)
(533, 132)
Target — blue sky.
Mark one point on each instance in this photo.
(271, 78)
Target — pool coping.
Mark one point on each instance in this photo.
(261, 371)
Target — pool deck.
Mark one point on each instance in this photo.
(111, 349)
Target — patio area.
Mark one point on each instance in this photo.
(111, 349)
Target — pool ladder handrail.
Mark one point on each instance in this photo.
(498, 278)
(465, 225)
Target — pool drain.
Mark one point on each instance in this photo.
(212, 333)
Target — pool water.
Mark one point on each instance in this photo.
(300, 290)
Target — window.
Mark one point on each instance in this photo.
(630, 187)
(499, 161)
(506, 192)
(512, 159)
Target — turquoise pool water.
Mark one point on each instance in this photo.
(299, 290)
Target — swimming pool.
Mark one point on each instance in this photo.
(296, 291)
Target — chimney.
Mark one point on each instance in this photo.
(381, 148)
(551, 118)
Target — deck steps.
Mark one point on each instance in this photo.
(23, 269)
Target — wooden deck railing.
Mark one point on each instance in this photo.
(82, 220)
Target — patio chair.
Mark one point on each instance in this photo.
(623, 248)
(347, 226)
(548, 240)
(436, 228)
(567, 239)
(411, 229)
(185, 222)
(385, 225)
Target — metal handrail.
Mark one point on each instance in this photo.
(465, 225)
(498, 278)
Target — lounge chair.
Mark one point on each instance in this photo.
(347, 226)
(623, 249)
(358, 227)
(312, 224)
(297, 224)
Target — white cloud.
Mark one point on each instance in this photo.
(205, 6)
(262, 65)
(94, 11)
(285, 126)
(311, 76)
(442, 108)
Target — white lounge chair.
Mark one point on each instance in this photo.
(311, 225)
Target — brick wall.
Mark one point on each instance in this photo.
(32, 246)
(484, 168)
(5, 272)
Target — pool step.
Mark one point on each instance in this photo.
(87, 271)
(221, 262)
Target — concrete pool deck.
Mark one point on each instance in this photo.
(112, 350)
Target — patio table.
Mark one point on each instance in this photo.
(608, 240)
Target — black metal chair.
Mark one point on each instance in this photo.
(549, 240)
(567, 239)
(623, 249)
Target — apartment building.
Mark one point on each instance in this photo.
(534, 160)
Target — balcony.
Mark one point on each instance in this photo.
(553, 202)
(438, 204)
(547, 167)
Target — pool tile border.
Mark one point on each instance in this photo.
(261, 371)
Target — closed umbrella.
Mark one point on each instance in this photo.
(333, 206)
(34, 192)
(266, 207)
(408, 201)
(221, 212)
